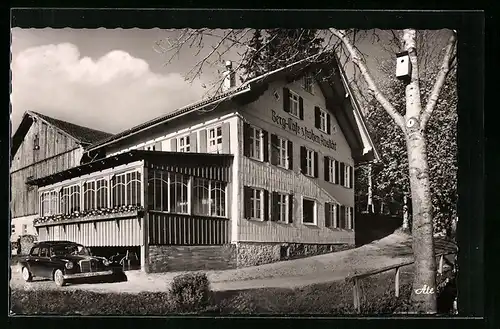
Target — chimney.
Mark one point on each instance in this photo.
(229, 77)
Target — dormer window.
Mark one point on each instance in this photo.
(307, 83)
(36, 143)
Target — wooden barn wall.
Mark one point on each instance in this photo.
(51, 141)
(125, 232)
(24, 200)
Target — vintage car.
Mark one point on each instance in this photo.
(63, 261)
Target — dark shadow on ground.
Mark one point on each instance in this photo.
(119, 277)
(371, 227)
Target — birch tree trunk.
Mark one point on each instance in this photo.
(370, 191)
(422, 230)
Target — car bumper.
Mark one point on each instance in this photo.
(87, 274)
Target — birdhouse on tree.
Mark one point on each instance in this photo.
(403, 66)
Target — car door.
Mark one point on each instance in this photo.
(44, 263)
(33, 261)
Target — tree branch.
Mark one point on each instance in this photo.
(438, 85)
(358, 60)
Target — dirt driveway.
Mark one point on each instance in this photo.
(391, 250)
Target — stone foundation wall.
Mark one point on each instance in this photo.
(191, 258)
(258, 253)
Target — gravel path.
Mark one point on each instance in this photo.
(393, 249)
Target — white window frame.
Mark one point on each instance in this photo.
(24, 229)
(332, 210)
(51, 196)
(294, 104)
(349, 217)
(310, 162)
(186, 141)
(315, 210)
(69, 195)
(333, 167)
(308, 83)
(217, 140)
(172, 184)
(283, 160)
(125, 194)
(347, 182)
(212, 185)
(323, 120)
(283, 202)
(257, 198)
(256, 135)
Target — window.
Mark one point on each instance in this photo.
(307, 83)
(331, 170)
(13, 229)
(310, 162)
(126, 189)
(101, 193)
(308, 211)
(294, 104)
(282, 207)
(184, 145)
(70, 199)
(348, 176)
(331, 219)
(209, 197)
(349, 215)
(256, 143)
(282, 152)
(48, 203)
(35, 251)
(178, 190)
(36, 142)
(89, 195)
(25, 229)
(323, 123)
(254, 203)
(158, 190)
(215, 140)
(44, 252)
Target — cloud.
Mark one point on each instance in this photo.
(112, 93)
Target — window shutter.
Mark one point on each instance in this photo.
(290, 155)
(301, 108)
(247, 192)
(326, 164)
(351, 177)
(157, 146)
(342, 173)
(275, 207)
(265, 145)
(328, 124)
(203, 141)
(337, 172)
(290, 208)
(274, 150)
(286, 100)
(351, 218)
(317, 117)
(337, 215)
(193, 141)
(342, 217)
(266, 205)
(225, 138)
(328, 220)
(173, 145)
(303, 160)
(316, 172)
(246, 139)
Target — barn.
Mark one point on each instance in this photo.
(262, 172)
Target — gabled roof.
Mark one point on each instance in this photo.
(80, 134)
(252, 89)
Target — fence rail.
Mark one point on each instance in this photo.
(355, 279)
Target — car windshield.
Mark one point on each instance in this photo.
(70, 249)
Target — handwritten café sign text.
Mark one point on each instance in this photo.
(292, 125)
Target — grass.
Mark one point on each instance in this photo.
(333, 298)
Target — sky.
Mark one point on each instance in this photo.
(107, 79)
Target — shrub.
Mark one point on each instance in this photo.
(190, 292)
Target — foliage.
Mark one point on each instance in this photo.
(87, 213)
(390, 180)
(190, 292)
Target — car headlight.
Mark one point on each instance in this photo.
(69, 265)
(106, 262)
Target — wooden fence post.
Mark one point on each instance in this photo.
(356, 295)
(396, 282)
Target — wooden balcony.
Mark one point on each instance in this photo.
(178, 229)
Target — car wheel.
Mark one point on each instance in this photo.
(59, 278)
(27, 276)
